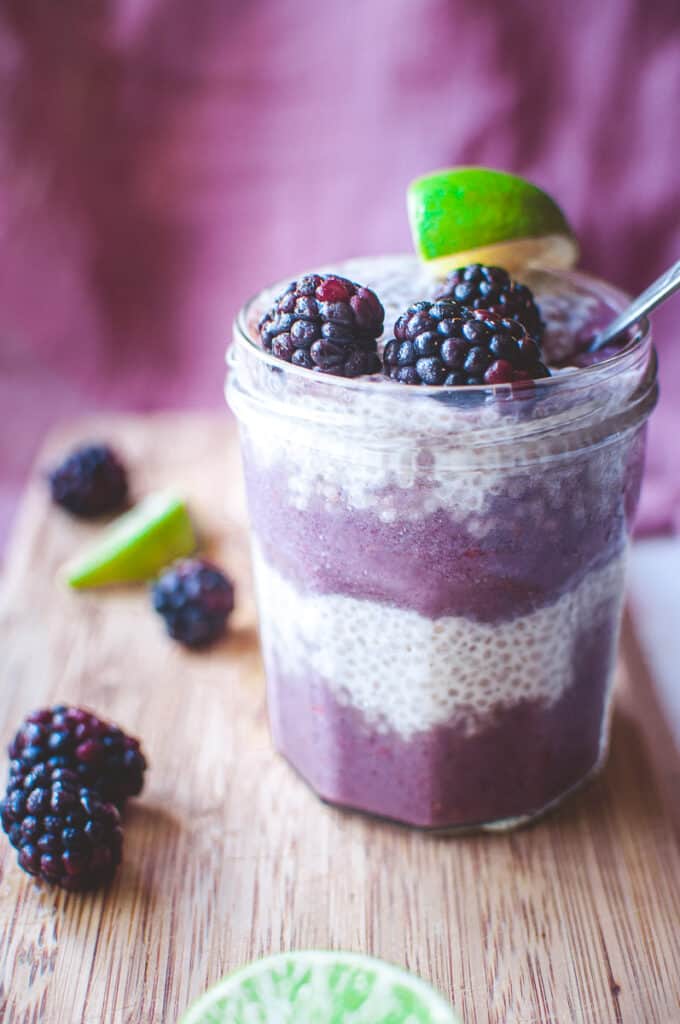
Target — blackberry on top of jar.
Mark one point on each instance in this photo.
(480, 287)
(443, 343)
(326, 323)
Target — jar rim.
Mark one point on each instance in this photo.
(575, 377)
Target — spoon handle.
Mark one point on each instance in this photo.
(657, 293)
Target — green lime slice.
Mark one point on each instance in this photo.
(475, 215)
(320, 988)
(137, 544)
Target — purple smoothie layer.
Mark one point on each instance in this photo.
(521, 759)
(539, 543)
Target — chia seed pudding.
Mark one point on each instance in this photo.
(440, 570)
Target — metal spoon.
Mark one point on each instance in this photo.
(652, 297)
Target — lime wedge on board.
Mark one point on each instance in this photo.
(137, 544)
(476, 215)
(320, 988)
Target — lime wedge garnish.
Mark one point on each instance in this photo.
(320, 988)
(137, 544)
(475, 215)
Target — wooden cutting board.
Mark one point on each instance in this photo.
(228, 856)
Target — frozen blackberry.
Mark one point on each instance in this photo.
(325, 323)
(90, 482)
(99, 754)
(195, 599)
(492, 289)
(442, 343)
(64, 832)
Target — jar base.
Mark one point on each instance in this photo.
(501, 825)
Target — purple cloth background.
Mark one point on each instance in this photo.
(161, 159)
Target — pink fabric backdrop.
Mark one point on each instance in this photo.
(160, 159)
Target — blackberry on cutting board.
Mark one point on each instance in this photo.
(64, 833)
(195, 599)
(101, 756)
(90, 482)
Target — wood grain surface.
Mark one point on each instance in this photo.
(229, 856)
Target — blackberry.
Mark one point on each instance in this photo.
(492, 288)
(99, 754)
(64, 832)
(325, 323)
(443, 343)
(195, 599)
(90, 482)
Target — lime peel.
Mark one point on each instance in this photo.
(317, 987)
(137, 544)
(458, 212)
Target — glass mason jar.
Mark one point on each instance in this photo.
(440, 572)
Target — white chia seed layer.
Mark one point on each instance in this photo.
(408, 673)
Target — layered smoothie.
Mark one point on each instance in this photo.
(440, 571)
